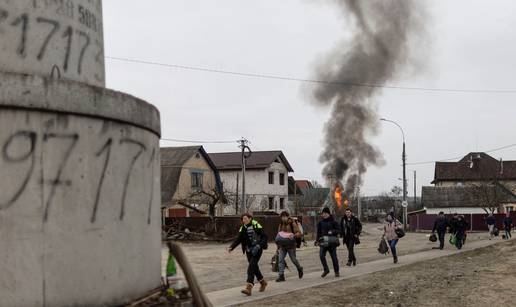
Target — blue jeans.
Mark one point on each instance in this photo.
(392, 245)
(283, 254)
(334, 259)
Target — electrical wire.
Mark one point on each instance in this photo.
(304, 80)
(456, 158)
(198, 142)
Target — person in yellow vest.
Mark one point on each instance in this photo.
(253, 240)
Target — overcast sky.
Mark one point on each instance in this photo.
(471, 45)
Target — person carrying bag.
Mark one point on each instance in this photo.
(327, 240)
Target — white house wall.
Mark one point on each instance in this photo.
(257, 186)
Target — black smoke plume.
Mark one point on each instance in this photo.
(383, 31)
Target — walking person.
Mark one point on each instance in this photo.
(288, 236)
(350, 228)
(491, 222)
(507, 225)
(461, 226)
(327, 240)
(253, 240)
(389, 233)
(440, 225)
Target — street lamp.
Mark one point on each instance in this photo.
(404, 159)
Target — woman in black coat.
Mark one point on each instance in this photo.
(350, 228)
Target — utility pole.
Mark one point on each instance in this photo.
(246, 153)
(415, 190)
(236, 197)
(359, 204)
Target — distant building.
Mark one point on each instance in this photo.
(266, 181)
(465, 185)
(187, 176)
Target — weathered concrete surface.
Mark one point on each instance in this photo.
(80, 200)
(38, 35)
(69, 97)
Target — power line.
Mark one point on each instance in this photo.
(456, 158)
(199, 142)
(304, 80)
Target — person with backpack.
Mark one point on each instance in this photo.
(287, 240)
(302, 240)
(253, 240)
(461, 226)
(507, 225)
(440, 225)
(389, 233)
(327, 240)
(350, 229)
(491, 222)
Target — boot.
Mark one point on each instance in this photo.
(349, 263)
(325, 273)
(354, 263)
(280, 278)
(395, 259)
(263, 284)
(300, 273)
(248, 289)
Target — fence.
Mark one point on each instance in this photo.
(425, 222)
(224, 227)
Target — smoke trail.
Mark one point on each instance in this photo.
(379, 49)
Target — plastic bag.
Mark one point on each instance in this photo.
(383, 248)
(453, 239)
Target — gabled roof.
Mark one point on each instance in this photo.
(463, 196)
(304, 184)
(258, 160)
(475, 166)
(293, 189)
(172, 162)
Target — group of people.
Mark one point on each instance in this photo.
(253, 240)
(458, 226)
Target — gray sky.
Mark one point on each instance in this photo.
(471, 45)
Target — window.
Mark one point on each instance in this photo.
(282, 203)
(271, 177)
(282, 179)
(196, 180)
(271, 203)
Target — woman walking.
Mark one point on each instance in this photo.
(288, 235)
(389, 233)
(253, 240)
(350, 229)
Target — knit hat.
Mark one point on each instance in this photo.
(326, 210)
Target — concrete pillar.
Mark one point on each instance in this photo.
(79, 166)
(63, 37)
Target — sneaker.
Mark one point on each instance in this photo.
(349, 263)
(354, 263)
(325, 273)
(337, 274)
(280, 278)
(300, 273)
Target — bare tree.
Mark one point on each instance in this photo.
(487, 195)
(211, 197)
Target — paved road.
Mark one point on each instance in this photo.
(232, 296)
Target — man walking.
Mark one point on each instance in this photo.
(440, 225)
(327, 239)
(507, 225)
(351, 228)
(491, 222)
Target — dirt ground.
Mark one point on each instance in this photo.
(216, 269)
(483, 277)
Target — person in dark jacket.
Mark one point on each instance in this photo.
(328, 227)
(253, 240)
(350, 229)
(461, 226)
(507, 225)
(491, 222)
(440, 225)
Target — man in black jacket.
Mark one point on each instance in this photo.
(440, 225)
(461, 227)
(350, 229)
(330, 228)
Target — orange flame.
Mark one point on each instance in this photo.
(338, 196)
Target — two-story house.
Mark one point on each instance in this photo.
(266, 179)
(470, 184)
(188, 178)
